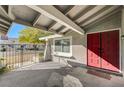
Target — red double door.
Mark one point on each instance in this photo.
(103, 50)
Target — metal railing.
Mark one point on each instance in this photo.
(17, 55)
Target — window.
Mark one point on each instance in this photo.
(58, 45)
(63, 46)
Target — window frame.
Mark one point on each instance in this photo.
(65, 54)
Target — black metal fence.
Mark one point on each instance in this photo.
(17, 55)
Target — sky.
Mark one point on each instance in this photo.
(15, 29)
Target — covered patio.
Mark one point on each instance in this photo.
(88, 35)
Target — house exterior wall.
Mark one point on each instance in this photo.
(79, 42)
(110, 23)
(78, 49)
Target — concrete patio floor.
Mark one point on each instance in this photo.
(37, 75)
(90, 80)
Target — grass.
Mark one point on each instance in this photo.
(41, 54)
(4, 69)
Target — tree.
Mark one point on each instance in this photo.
(32, 35)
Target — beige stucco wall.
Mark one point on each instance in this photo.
(78, 49)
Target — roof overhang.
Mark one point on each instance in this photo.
(50, 37)
(54, 18)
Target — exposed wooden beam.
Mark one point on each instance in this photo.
(62, 27)
(22, 22)
(65, 13)
(4, 23)
(4, 26)
(41, 27)
(63, 30)
(52, 30)
(36, 19)
(84, 11)
(100, 15)
(4, 20)
(66, 32)
(89, 13)
(8, 11)
(10, 14)
(51, 25)
(5, 11)
(53, 13)
(69, 10)
(96, 14)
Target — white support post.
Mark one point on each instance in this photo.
(45, 51)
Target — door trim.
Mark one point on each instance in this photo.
(120, 61)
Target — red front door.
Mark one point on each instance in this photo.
(93, 50)
(110, 50)
(103, 50)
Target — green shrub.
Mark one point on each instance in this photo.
(1, 59)
(3, 49)
(41, 54)
(5, 68)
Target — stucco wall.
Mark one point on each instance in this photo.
(79, 42)
(78, 49)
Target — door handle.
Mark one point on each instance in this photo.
(100, 50)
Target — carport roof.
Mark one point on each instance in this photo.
(55, 18)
